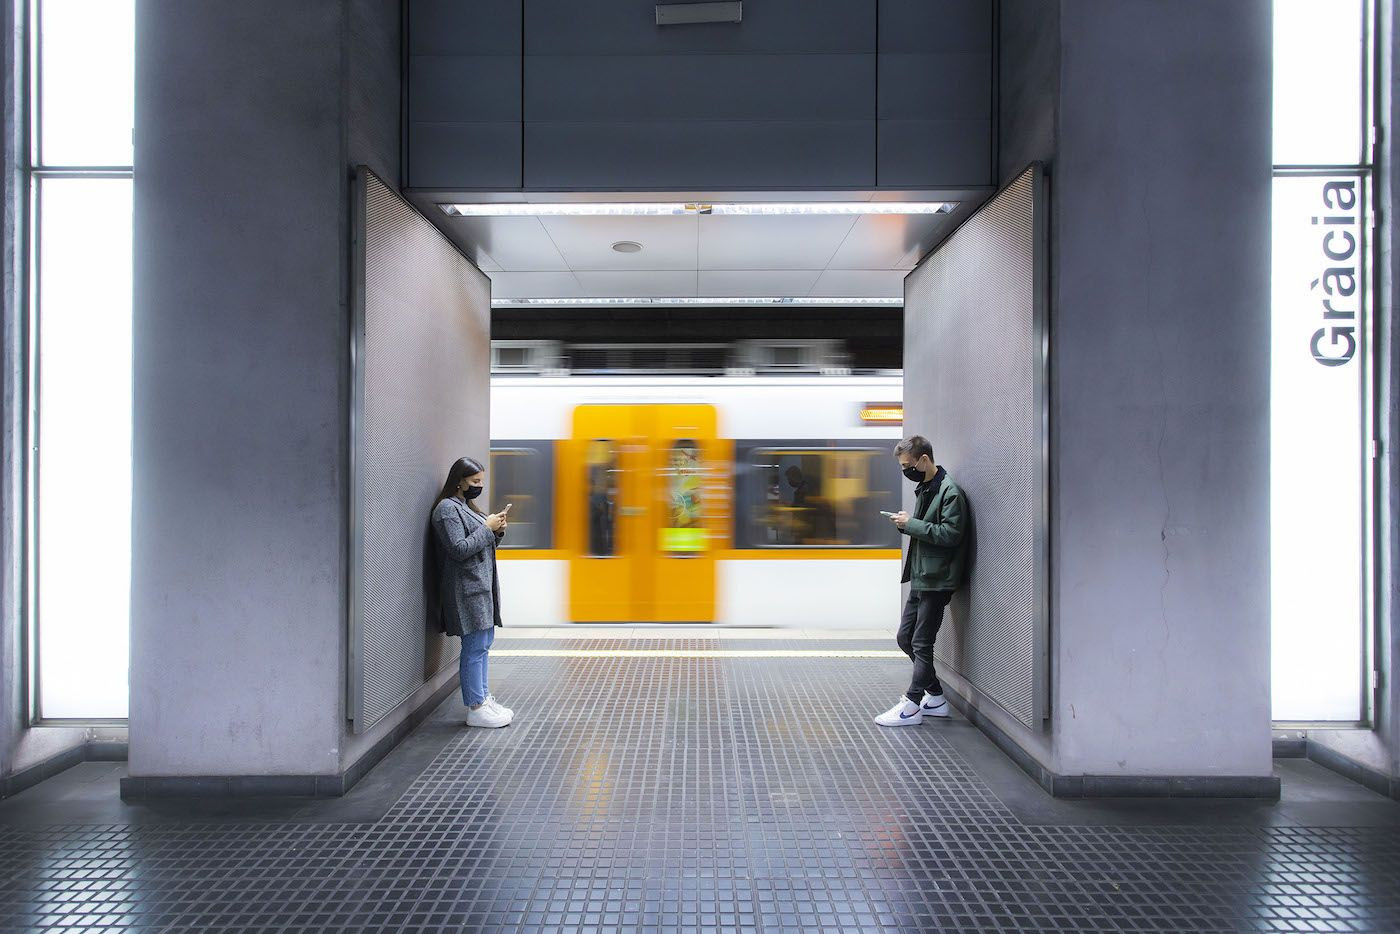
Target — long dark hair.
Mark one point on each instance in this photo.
(463, 468)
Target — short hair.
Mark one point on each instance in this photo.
(916, 446)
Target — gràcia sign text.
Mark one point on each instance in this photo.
(1334, 344)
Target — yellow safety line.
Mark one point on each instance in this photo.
(698, 653)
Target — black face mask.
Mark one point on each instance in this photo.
(472, 492)
(913, 473)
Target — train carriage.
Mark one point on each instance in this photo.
(742, 501)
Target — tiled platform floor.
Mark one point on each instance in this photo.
(706, 794)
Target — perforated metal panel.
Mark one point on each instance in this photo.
(421, 398)
(974, 383)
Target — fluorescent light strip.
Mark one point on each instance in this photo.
(725, 300)
(657, 208)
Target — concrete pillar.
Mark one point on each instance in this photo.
(1161, 388)
(249, 118)
(1155, 120)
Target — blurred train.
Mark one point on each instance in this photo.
(736, 500)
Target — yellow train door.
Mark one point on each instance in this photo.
(643, 506)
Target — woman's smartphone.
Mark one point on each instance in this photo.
(507, 509)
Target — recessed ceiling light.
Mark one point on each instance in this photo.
(627, 246)
(660, 208)
(719, 300)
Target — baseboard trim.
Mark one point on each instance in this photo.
(1382, 783)
(295, 786)
(105, 750)
(1290, 744)
(1116, 786)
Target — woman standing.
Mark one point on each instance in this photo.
(470, 592)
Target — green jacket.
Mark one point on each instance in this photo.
(937, 556)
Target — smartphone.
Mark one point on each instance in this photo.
(888, 515)
(507, 509)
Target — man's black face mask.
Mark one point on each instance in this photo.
(914, 473)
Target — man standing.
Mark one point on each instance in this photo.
(933, 568)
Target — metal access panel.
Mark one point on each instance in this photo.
(420, 400)
(975, 372)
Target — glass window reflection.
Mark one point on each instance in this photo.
(601, 486)
(821, 498)
(516, 479)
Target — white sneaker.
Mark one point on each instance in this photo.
(905, 713)
(487, 716)
(491, 699)
(935, 705)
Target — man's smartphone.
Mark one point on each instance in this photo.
(888, 515)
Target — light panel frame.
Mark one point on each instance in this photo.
(695, 209)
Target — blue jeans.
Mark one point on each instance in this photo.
(475, 646)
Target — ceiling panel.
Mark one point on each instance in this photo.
(757, 283)
(586, 242)
(534, 285)
(771, 242)
(883, 241)
(911, 259)
(516, 243)
(638, 284)
(860, 283)
(782, 256)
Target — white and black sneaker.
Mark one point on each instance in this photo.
(935, 705)
(904, 713)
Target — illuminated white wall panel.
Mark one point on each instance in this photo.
(82, 56)
(1318, 452)
(84, 446)
(1320, 355)
(85, 99)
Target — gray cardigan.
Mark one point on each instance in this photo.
(468, 588)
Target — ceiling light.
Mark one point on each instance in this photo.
(720, 300)
(627, 246)
(682, 209)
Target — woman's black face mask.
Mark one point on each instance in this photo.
(472, 492)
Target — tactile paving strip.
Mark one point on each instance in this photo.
(698, 794)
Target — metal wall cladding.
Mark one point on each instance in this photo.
(421, 386)
(593, 94)
(974, 378)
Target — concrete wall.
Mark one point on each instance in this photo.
(374, 85)
(373, 98)
(241, 331)
(1161, 184)
(1028, 84)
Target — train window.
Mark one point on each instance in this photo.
(521, 476)
(684, 532)
(601, 464)
(817, 497)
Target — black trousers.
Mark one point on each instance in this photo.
(918, 628)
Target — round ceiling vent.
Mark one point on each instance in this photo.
(627, 246)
